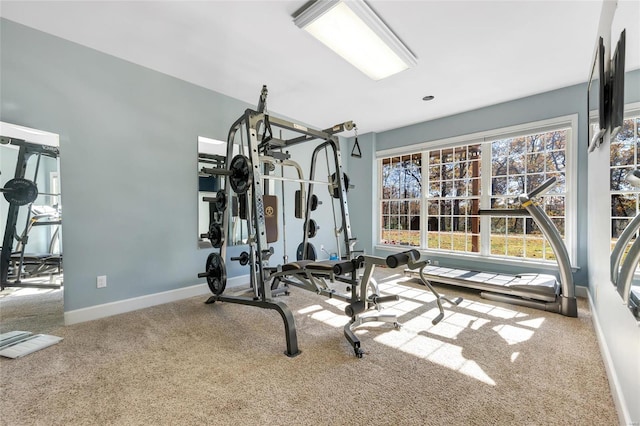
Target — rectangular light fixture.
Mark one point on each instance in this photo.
(354, 31)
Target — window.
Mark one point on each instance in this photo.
(520, 165)
(624, 158)
(430, 196)
(401, 197)
(453, 198)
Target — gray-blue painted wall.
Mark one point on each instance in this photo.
(128, 160)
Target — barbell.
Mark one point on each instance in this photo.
(20, 191)
(240, 177)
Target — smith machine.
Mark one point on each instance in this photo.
(247, 175)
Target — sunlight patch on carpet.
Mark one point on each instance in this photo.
(436, 351)
(330, 318)
(310, 309)
(533, 323)
(491, 310)
(513, 335)
(27, 291)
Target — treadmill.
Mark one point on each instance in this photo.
(539, 291)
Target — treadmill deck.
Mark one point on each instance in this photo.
(530, 286)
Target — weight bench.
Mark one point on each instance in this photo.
(313, 275)
(318, 276)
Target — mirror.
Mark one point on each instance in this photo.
(31, 226)
(212, 153)
(625, 216)
(624, 125)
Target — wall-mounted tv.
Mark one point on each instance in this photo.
(597, 97)
(616, 85)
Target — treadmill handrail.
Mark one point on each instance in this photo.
(627, 235)
(552, 235)
(503, 212)
(627, 271)
(544, 187)
(618, 250)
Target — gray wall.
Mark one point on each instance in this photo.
(361, 198)
(128, 141)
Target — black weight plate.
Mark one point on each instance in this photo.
(335, 186)
(310, 255)
(314, 202)
(215, 235)
(216, 274)
(221, 200)
(20, 191)
(240, 178)
(312, 231)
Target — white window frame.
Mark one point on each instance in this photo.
(569, 122)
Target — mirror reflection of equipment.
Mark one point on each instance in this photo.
(17, 267)
(622, 272)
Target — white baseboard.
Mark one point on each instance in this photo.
(135, 303)
(618, 397)
(581, 291)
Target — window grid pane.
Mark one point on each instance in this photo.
(402, 187)
(453, 199)
(523, 163)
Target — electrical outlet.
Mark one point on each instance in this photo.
(101, 282)
(436, 262)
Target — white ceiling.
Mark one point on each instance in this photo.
(470, 53)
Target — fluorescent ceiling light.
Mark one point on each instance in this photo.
(352, 30)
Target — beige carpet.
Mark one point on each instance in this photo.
(188, 363)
